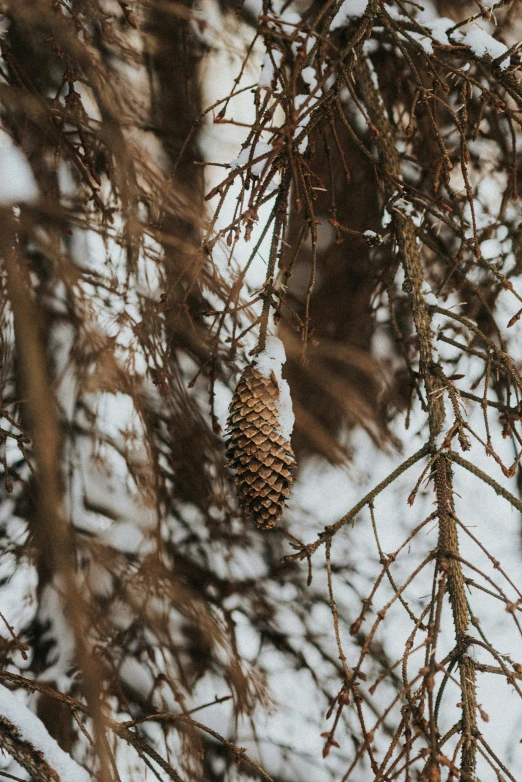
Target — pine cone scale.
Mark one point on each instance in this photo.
(257, 450)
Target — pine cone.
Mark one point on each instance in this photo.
(257, 449)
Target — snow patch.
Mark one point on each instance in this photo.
(482, 43)
(372, 238)
(290, 21)
(429, 296)
(127, 537)
(438, 28)
(268, 72)
(17, 182)
(348, 10)
(309, 77)
(439, 440)
(137, 676)
(490, 249)
(251, 153)
(424, 41)
(59, 632)
(32, 729)
(271, 360)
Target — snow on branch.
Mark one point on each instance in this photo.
(26, 738)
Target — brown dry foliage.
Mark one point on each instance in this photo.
(115, 292)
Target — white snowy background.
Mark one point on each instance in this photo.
(321, 496)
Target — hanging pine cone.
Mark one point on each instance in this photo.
(260, 424)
